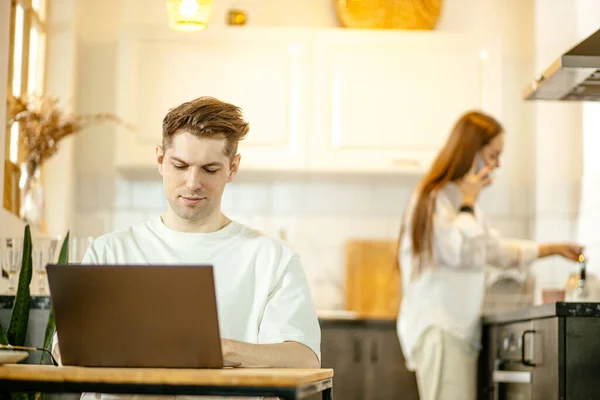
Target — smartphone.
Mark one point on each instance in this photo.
(480, 165)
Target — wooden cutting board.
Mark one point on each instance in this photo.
(372, 278)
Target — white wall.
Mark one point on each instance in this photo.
(558, 141)
(318, 213)
(559, 149)
(589, 215)
(61, 76)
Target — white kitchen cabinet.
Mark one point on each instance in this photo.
(316, 99)
(264, 71)
(386, 101)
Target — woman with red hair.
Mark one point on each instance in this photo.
(445, 242)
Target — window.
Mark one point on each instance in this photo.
(25, 76)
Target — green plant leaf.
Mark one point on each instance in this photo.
(63, 258)
(19, 318)
(50, 329)
(22, 396)
(3, 337)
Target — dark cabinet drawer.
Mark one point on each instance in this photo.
(387, 376)
(343, 349)
(367, 361)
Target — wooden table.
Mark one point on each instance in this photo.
(288, 384)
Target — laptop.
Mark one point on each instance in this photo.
(159, 316)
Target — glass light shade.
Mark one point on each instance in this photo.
(189, 15)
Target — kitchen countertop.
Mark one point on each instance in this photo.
(363, 322)
(325, 316)
(562, 309)
(340, 318)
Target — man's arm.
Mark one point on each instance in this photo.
(278, 355)
(289, 334)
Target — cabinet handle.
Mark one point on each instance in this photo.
(523, 360)
(357, 351)
(374, 350)
(511, 376)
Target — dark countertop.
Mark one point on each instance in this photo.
(37, 302)
(563, 309)
(361, 322)
(345, 318)
(326, 318)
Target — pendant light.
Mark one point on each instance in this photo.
(189, 15)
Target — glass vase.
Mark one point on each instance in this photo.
(32, 194)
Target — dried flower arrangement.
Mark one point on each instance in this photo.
(43, 125)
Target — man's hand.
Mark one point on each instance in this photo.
(279, 355)
(231, 357)
(570, 251)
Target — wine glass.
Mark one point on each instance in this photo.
(78, 245)
(43, 253)
(11, 254)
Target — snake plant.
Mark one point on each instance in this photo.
(19, 319)
(63, 258)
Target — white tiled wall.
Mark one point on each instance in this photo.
(560, 145)
(318, 214)
(589, 216)
(557, 214)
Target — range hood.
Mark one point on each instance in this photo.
(573, 76)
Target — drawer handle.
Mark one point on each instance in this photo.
(357, 351)
(511, 376)
(374, 351)
(523, 360)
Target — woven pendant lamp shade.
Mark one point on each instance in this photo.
(388, 14)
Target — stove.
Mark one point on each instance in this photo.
(548, 352)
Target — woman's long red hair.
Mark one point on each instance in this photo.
(471, 133)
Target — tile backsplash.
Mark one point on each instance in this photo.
(316, 214)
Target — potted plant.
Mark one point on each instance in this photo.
(19, 319)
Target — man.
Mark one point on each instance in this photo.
(267, 318)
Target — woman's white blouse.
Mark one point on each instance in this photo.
(449, 293)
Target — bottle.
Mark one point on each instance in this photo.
(579, 291)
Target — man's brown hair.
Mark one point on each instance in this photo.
(206, 117)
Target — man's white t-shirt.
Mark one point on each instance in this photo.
(262, 292)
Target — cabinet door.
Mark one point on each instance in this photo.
(262, 71)
(344, 349)
(548, 355)
(387, 376)
(386, 101)
(579, 356)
